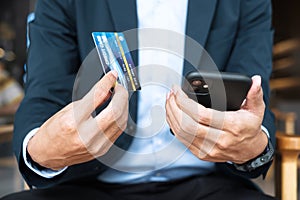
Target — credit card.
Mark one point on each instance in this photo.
(114, 54)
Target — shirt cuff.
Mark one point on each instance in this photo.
(46, 173)
(265, 130)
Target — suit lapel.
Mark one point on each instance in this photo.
(199, 19)
(200, 15)
(123, 14)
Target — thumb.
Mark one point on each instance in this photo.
(254, 100)
(100, 92)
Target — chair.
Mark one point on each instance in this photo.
(6, 132)
(286, 160)
(288, 148)
(288, 118)
(285, 85)
(6, 136)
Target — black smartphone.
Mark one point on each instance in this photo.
(222, 91)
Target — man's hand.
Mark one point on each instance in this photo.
(219, 136)
(73, 136)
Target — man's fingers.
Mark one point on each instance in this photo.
(180, 122)
(99, 93)
(184, 126)
(199, 113)
(254, 101)
(99, 133)
(116, 112)
(119, 101)
(200, 139)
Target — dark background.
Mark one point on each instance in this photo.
(13, 17)
(286, 19)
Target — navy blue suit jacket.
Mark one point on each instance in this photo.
(236, 33)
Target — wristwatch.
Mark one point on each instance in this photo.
(265, 157)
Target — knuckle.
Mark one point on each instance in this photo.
(238, 140)
(96, 149)
(236, 130)
(111, 78)
(78, 144)
(201, 118)
(208, 156)
(222, 145)
(67, 123)
(107, 81)
(202, 156)
(93, 151)
(185, 127)
(263, 105)
(100, 93)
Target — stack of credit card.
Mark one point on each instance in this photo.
(114, 55)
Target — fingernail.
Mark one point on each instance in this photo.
(257, 78)
(114, 73)
(175, 89)
(168, 95)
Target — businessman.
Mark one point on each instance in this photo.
(64, 148)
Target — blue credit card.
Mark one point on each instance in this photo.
(115, 55)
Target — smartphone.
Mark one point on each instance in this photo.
(222, 91)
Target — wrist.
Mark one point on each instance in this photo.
(36, 150)
(262, 142)
(32, 150)
(263, 158)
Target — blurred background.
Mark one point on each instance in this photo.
(285, 80)
(13, 18)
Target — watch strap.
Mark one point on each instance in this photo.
(265, 157)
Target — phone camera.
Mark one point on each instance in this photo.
(199, 86)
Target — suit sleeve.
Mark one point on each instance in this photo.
(251, 55)
(53, 62)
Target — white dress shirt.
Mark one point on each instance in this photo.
(155, 154)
